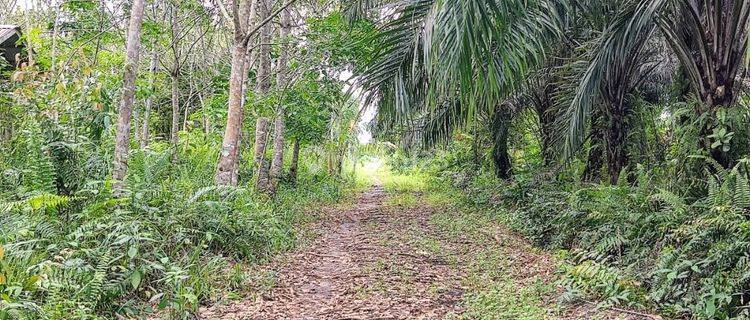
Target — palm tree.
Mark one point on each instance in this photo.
(607, 90)
(709, 39)
(444, 63)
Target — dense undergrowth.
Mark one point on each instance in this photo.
(70, 250)
(637, 245)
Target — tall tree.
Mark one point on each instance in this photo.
(709, 39)
(242, 11)
(122, 135)
(262, 87)
(184, 18)
(282, 78)
(447, 62)
(501, 120)
(145, 134)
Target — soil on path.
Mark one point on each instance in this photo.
(364, 265)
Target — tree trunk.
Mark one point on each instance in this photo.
(262, 130)
(546, 130)
(149, 100)
(122, 135)
(206, 121)
(136, 125)
(617, 156)
(594, 162)
(29, 45)
(229, 147)
(226, 169)
(277, 163)
(295, 162)
(263, 85)
(175, 130)
(262, 182)
(500, 126)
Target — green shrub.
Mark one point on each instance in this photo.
(71, 250)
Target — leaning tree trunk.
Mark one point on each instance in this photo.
(175, 130)
(277, 164)
(295, 161)
(122, 135)
(230, 145)
(500, 127)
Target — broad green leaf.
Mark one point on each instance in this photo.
(135, 279)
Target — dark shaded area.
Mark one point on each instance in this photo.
(10, 48)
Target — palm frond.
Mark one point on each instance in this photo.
(437, 55)
(612, 63)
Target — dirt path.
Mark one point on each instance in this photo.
(381, 261)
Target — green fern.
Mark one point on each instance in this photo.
(742, 192)
(47, 201)
(93, 291)
(39, 175)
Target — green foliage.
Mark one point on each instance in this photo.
(173, 241)
(639, 246)
(74, 251)
(505, 301)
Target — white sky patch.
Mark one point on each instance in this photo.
(367, 113)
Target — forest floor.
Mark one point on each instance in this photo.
(405, 255)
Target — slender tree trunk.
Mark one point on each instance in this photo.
(186, 111)
(145, 139)
(229, 148)
(185, 114)
(226, 173)
(136, 125)
(122, 136)
(277, 164)
(206, 121)
(236, 170)
(262, 130)
(263, 85)
(500, 126)
(295, 161)
(174, 132)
